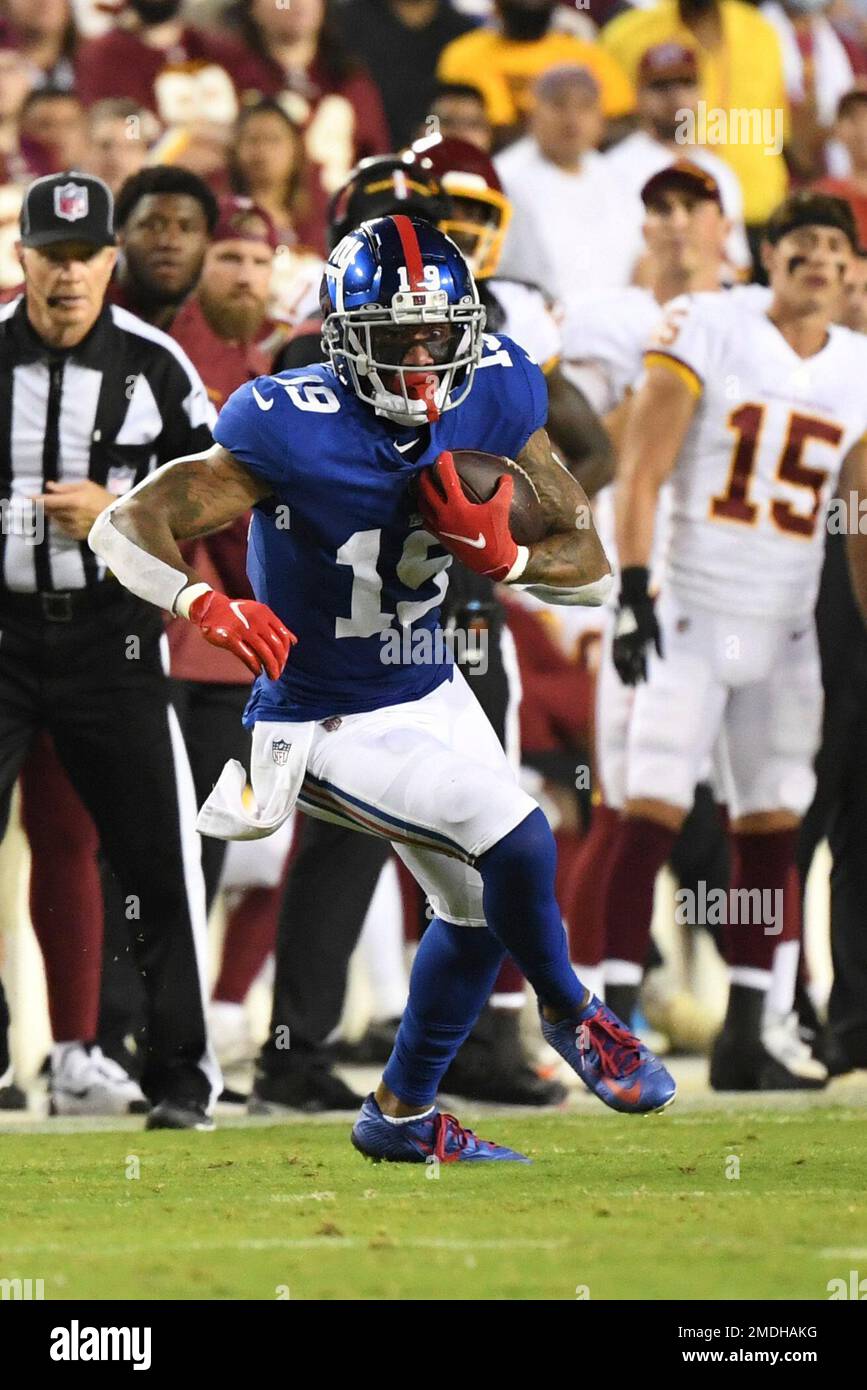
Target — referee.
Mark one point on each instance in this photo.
(91, 400)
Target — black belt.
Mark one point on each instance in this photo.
(61, 605)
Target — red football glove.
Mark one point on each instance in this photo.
(247, 629)
(476, 532)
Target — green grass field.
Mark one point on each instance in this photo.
(628, 1208)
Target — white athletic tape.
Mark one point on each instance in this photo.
(588, 595)
(141, 573)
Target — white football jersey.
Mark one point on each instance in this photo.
(760, 462)
(604, 337)
(530, 319)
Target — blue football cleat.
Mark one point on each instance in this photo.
(611, 1061)
(437, 1136)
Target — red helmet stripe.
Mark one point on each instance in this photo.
(411, 251)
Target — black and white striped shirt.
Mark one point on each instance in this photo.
(124, 401)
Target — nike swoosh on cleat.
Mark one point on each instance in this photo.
(477, 545)
(630, 1094)
(261, 402)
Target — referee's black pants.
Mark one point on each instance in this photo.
(209, 714)
(87, 667)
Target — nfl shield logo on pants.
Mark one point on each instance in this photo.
(70, 202)
(280, 751)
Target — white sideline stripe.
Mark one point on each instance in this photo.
(854, 1252)
(276, 1243)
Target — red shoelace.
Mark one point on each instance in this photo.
(624, 1054)
(447, 1127)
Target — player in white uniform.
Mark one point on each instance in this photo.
(477, 219)
(753, 414)
(604, 339)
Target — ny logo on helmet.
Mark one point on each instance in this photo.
(71, 202)
(280, 751)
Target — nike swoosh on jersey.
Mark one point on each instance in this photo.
(261, 402)
(402, 448)
(477, 545)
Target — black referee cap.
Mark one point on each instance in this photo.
(67, 207)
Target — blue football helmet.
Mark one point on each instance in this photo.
(394, 290)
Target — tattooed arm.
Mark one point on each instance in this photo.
(571, 556)
(138, 535)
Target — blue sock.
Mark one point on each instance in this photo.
(521, 909)
(452, 976)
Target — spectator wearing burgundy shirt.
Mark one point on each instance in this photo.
(295, 52)
(53, 131)
(43, 32)
(163, 217)
(150, 37)
(16, 80)
(267, 163)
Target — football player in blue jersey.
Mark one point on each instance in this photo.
(357, 513)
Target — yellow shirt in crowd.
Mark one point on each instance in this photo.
(743, 76)
(504, 70)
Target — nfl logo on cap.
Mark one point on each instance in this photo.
(71, 201)
(70, 206)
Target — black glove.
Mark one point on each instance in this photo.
(635, 626)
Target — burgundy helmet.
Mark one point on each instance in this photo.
(480, 212)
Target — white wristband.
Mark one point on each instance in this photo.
(187, 597)
(521, 561)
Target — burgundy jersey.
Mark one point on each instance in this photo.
(343, 121)
(120, 64)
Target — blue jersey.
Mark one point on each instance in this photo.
(338, 550)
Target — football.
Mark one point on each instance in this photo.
(479, 474)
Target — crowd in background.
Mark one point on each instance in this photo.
(275, 101)
(279, 100)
